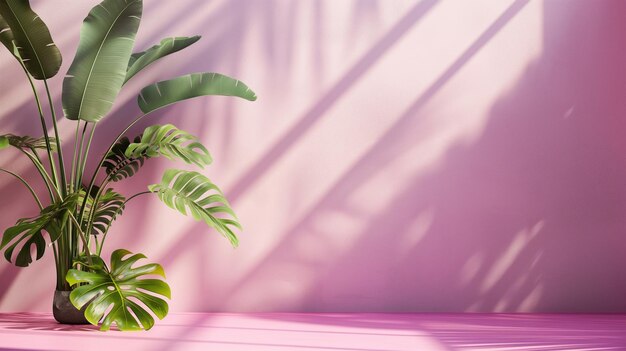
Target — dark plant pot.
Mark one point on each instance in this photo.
(63, 310)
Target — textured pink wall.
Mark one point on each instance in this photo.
(402, 155)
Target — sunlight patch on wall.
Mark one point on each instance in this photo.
(355, 163)
(532, 300)
(418, 142)
(470, 269)
(508, 257)
(416, 230)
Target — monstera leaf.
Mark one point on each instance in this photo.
(141, 60)
(97, 73)
(103, 212)
(167, 92)
(29, 231)
(117, 165)
(20, 24)
(171, 142)
(27, 142)
(192, 192)
(120, 289)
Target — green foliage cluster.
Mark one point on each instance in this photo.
(76, 216)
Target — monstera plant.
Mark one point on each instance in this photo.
(78, 207)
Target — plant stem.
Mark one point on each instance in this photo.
(43, 170)
(86, 153)
(25, 184)
(80, 155)
(97, 170)
(76, 176)
(58, 141)
(43, 125)
(100, 244)
(134, 196)
(74, 161)
(44, 175)
(56, 258)
(82, 236)
(92, 213)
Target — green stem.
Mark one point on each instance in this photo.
(58, 141)
(82, 236)
(74, 161)
(134, 196)
(80, 155)
(76, 176)
(80, 171)
(97, 170)
(43, 125)
(100, 244)
(27, 185)
(42, 171)
(56, 259)
(92, 213)
(86, 153)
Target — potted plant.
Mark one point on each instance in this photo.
(76, 215)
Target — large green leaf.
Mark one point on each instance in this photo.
(21, 24)
(117, 165)
(97, 73)
(141, 60)
(171, 142)
(104, 211)
(28, 142)
(29, 231)
(6, 35)
(167, 92)
(119, 288)
(192, 192)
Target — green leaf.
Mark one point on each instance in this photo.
(120, 289)
(29, 231)
(28, 142)
(171, 142)
(6, 35)
(192, 192)
(161, 94)
(106, 209)
(97, 73)
(40, 55)
(4, 142)
(141, 60)
(117, 165)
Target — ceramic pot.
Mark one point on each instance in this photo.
(63, 310)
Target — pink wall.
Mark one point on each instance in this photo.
(402, 156)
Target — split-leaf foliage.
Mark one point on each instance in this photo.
(77, 214)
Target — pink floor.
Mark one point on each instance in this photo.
(366, 332)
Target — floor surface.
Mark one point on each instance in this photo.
(337, 332)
